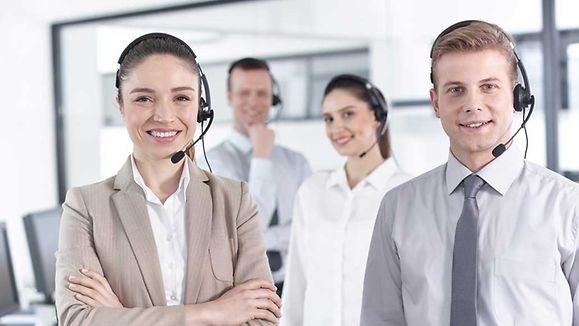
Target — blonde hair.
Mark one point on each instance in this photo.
(476, 36)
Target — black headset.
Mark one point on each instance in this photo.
(205, 110)
(259, 63)
(377, 100)
(522, 94)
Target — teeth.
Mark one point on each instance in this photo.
(163, 134)
(475, 125)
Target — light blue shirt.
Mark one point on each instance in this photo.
(273, 183)
(527, 245)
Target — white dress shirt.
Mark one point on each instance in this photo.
(273, 183)
(331, 234)
(527, 245)
(168, 224)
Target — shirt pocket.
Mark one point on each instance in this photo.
(524, 291)
(221, 261)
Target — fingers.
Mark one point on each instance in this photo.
(266, 294)
(264, 315)
(86, 300)
(95, 287)
(97, 277)
(268, 305)
(258, 283)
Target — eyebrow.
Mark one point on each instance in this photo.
(341, 109)
(486, 80)
(149, 90)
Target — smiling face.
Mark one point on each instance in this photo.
(250, 96)
(474, 101)
(159, 106)
(350, 123)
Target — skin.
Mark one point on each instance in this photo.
(474, 102)
(160, 97)
(351, 127)
(250, 95)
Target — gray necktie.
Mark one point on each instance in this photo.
(464, 260)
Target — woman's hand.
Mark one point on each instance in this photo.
(254, 299)
(94, 290)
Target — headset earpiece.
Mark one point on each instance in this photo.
(519, 95)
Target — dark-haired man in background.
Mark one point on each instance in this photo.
(273, 172)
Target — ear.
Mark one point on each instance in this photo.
(229, 97)
(121, 107)
(434, 101)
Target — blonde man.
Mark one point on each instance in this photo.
(487, 238)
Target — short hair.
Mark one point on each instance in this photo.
(476, 36)
(247, 64)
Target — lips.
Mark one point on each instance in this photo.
(163, 135)
(341, 141)
(475, 124)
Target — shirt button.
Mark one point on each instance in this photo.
(169, 237)
(171, 266)
(173, 297)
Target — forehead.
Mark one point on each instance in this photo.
(163, 68)
(249, 79)
(339, 99)
(472, 66)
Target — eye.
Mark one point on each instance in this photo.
(328, 119)
(143, 99)
(489, 87)
(182, 98)
(455, 90)
(347, 114)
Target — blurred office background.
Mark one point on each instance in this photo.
(61, 126)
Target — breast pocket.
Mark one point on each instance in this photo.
(221, 256)
(525, 291)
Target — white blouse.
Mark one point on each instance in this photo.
(331, 232)
(168, 225)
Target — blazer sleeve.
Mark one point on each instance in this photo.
(251, 258)
(76, 250)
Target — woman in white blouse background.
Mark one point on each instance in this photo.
(335, 210)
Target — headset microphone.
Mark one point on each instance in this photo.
(177, 157)
(380, 134)
(501, 148)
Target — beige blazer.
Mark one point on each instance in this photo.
(105, 228)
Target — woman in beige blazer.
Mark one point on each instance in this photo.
(162, 243)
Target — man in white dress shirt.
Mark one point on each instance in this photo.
(487, 238)
(274, 173)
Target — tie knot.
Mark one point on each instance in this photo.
(472, 184)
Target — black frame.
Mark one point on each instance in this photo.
(16, 305)
(55, 31)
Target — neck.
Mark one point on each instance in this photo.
(238, 126)
(477, 160)
(161, 176)
(358, 168)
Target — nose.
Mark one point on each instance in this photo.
(164, 112)
(473, 102)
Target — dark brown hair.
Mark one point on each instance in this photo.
(359, 90)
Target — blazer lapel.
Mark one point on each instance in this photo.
(199, 213)
(131, 207)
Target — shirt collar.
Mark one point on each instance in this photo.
(240, 141)
(149, 195)
(375, 179)
(500, 173)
